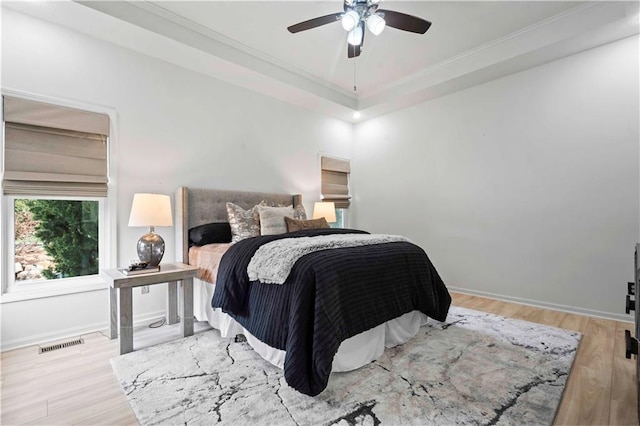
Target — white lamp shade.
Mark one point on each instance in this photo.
(326, 210)
(355, 36)
(375, 23)
(350, 20)
(151, 210)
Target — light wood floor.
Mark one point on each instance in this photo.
(76, 385)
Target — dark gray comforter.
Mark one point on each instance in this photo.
(330, 295)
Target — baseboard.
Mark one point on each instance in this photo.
(144, 320)
(39, 339)
(553, 306)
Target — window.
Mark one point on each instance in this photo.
(340, 219)
(335, 186)
(55, 192)
(55, 238)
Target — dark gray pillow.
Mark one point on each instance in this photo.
(209, 233)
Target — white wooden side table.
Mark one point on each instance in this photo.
(120, 294)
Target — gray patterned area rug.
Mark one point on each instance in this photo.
(475, 368)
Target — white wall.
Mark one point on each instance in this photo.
(525, 187)
(175, 128)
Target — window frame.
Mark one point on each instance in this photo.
(107, 235)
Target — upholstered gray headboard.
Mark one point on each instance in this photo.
(197, 206)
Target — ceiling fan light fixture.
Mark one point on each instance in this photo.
(375, 23)
(355, 36)
(350, 20)
(355, 15)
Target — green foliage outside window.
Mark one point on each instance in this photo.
(339, 223)
(69, 233)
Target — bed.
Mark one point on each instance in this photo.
(308, 325)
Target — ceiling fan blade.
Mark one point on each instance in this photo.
(315, 22)
(353, 51)
(405, 22)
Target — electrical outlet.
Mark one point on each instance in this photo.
(145, 289)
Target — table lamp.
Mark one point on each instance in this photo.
(151, 210)
(325, 209)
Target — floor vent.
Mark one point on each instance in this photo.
(44, 349)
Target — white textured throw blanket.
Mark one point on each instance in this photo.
(273, 261)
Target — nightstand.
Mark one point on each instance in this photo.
(120, 294)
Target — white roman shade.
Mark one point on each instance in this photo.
(335, 181)
(54, 150)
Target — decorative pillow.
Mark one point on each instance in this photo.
(299, 212)
(300, 225)
(209, 233)
(272, 219)
(244, 223)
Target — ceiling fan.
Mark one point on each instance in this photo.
(356, 14)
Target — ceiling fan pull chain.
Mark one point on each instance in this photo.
(354, 77)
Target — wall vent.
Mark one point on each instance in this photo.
(44, 349)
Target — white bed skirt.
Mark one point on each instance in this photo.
(353, 353)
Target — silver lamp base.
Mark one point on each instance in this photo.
(151, 248)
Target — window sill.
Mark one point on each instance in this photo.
(39, 291)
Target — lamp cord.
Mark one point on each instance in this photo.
(158, 323)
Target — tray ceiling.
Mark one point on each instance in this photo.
(247, 44)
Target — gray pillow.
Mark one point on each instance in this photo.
(299, 213)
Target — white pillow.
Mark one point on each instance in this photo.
(272, 219)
